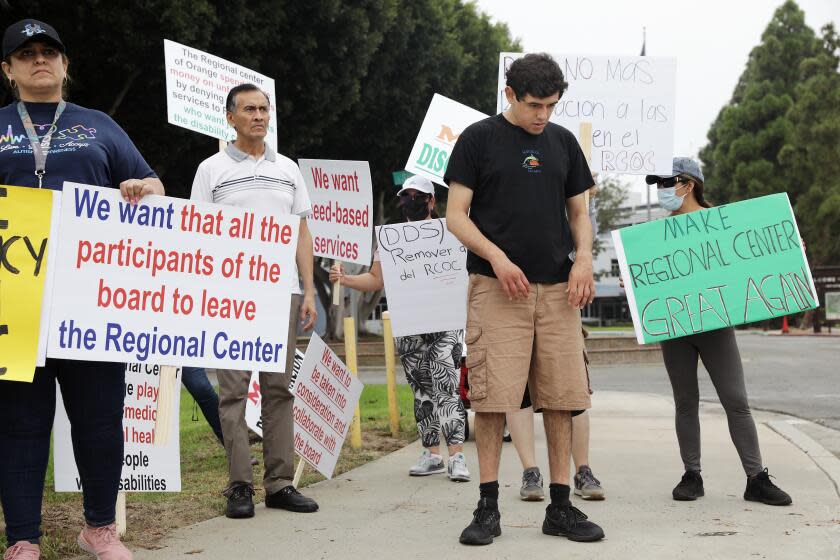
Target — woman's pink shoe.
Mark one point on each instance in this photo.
(23, 550)
(103, 543)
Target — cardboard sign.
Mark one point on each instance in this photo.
(326, 395)
(630, 102)
(444, 122)
(342, 208)
(171, 281)
(253, 406)
(146, 467)
(714, 268)
(425, 271)
(28, 221)
(197, 85)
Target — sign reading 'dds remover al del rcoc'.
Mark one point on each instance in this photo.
(714, 268)
(629, 101)
(172, 282)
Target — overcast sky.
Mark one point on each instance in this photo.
(710, 39)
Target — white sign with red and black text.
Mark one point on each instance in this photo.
(146, 467)
(326, 395)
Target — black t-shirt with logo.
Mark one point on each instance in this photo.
(520, 184)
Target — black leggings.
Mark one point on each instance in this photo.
(719, 352)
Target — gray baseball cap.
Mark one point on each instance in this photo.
(681, 166)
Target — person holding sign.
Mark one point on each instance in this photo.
(249, 174)
(49, 142)
(514, 178)
(431, 361)
(681, 192)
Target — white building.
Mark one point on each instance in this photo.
(610, 305)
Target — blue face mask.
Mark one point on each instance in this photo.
(669, 200)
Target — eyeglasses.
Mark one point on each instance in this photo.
(670, 182)
(405, 197)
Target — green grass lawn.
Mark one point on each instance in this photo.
(150, 516)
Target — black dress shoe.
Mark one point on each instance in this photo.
(240, 503)
(289, 498)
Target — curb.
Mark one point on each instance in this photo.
(822, 457)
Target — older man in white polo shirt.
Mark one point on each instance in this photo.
(249, 174)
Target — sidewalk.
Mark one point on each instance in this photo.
(378, 511)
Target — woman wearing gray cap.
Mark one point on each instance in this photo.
(49, 141)
(681, 192)
(431, 361)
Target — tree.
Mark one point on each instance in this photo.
(607, 208)
(811, 155)
(741, 159)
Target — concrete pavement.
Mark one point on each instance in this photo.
(377, 511)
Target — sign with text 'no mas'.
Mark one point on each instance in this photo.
(425, 271)
(197, 84)
(28, 221)
(172, 282)
(630, 102)
(146, 467)
(342, 198)
(720, 267)
(326, 394)
(444, 122)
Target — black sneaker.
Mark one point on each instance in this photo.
(485, 524)
(761, 489)
(568, 521)
(690, 487)
(240, 503)
(289, 498)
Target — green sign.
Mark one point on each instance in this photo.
(714, 268)
(401, 177)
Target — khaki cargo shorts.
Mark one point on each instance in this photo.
(536, 341)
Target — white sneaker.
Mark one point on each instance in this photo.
(428, 464)
(457, 468)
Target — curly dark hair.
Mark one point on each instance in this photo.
(537, 74)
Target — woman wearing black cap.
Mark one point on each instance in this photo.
(681, 193)
(48, 141)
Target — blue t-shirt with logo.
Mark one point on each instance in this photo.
(87, 147)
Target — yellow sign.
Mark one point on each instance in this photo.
(24, 234)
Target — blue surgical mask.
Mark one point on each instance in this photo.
(669, 200)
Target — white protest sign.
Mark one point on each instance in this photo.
(425, 271)
(146, 467)
(172, 282)
(253, 406)
(197, 84)
(326, 394)
(444, 122)
(342, 199)
(630, 102)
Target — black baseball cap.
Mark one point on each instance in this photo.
(26, 30)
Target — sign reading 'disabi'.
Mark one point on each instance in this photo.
(425, 271)
(197, 84)
(326, 394)
(714, 268)
(342, 197)
(172, 282)
(444, 122)
(28, 221)
(253, 406)
(146, 467)
(630, 102)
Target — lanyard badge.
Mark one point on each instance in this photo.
(40, 148)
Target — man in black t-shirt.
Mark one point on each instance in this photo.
(516, 201)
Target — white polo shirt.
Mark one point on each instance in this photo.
(272, 183)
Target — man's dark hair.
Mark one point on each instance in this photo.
(230, 103)
(536, 74)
